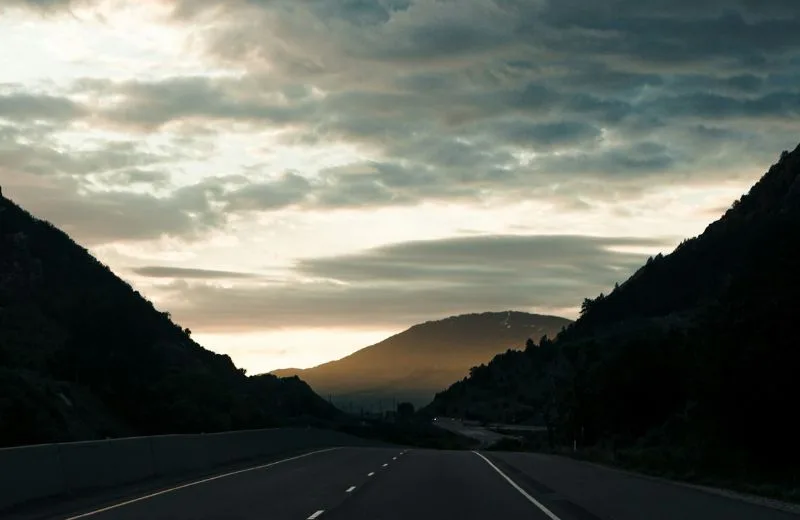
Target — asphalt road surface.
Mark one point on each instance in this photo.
(485, 436)
(397, 483)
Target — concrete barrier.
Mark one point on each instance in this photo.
(28, 473)
(95, 464)
(52, 470)
(177, 454)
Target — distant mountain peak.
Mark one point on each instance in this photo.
(423, 359)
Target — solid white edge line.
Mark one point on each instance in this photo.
(521, 491)
(316, 515)
(350, 489)
(196, 482)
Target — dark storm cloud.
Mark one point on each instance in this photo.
(775, 106)
(149, 105)
(640, 159)
(404, 283)
(527, 133)
(454, 100)
(282, 192)
(453, 91)
(367, 185)
(668, 41)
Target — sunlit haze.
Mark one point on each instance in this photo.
(294, 180)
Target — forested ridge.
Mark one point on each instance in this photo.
(688, 368)
(83, 355)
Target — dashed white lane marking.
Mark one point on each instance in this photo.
(394, 458)
(521, 491)
(196, 482)
(371, 473)
(350, 489)
(316, 515)
(385, 465)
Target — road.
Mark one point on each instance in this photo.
(485, 436)
(397, 483)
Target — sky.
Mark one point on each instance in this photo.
(296, 179)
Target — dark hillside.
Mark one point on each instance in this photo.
(690, 367)
(83, 355)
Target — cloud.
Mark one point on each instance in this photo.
(135, 176)
(482, 98)
(640, 159)
(94, 218)
(468, 101)
(21, 106)
(319, 105)
(32, 147)
(281, 192)
(401, 284)
(45, 5)
(104, 190)
(151, 104)
(189, 273)
(548, 134)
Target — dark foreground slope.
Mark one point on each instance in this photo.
(83, 355)
(422, 360)
(688, 367)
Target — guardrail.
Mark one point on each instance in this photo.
(51, 470)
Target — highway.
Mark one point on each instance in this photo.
(411, 484)
(485, 436)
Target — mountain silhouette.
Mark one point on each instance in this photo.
(413, 365)
(689, 368)
(83, 355)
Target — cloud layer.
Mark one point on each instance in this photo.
(401, 284)
(458, 101)
(266, 117)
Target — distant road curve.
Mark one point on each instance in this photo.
(485, 436)
(397, 483)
